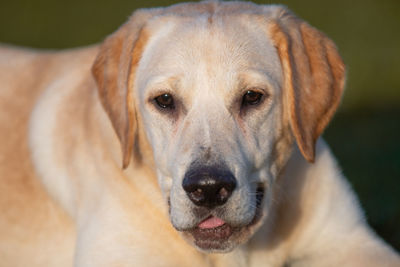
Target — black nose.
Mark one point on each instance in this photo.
(209, 186)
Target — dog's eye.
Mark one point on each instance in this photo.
(165, 101)
(251, 98)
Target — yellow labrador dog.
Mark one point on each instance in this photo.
(218, 107)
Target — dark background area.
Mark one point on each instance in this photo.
(364, 135)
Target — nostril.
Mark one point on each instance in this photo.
(223, 193)
(198, 192)
(209, 186)
(197, 195)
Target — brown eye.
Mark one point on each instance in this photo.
(251, 98)
(165, 101)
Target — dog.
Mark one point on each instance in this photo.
(189, 137)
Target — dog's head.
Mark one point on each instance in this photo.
(221, 91)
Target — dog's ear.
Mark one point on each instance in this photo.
(114, 71)
(314, 76)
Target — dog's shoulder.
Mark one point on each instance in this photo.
(24, 203)
(325, 214)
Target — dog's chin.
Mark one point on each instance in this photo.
(225, 237)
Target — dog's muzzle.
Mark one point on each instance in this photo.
(210, 189)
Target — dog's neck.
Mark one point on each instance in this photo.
(294, 212)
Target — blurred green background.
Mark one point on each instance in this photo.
(365, 134)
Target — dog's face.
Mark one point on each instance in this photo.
(211, 105)
(216, 92)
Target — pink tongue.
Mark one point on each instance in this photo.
(211, 222)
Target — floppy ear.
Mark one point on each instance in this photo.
(114, 71)
(314, 76)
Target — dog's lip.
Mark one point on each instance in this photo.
(213, 231)
(259, 200)
(212, 238)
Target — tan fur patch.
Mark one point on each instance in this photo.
(313, 77)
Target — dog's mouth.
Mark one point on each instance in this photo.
(213, 234)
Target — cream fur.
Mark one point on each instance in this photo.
(66, 201)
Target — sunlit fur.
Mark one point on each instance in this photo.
(66, 200)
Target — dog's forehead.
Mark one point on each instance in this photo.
(219, 48)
